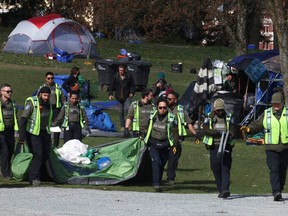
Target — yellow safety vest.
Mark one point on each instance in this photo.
(33, 121)
(181, 121)
(66, 116)
(136, 117)
(58, 93)
(171, 118)
(275, 128)
(208, 140)
(2, 125)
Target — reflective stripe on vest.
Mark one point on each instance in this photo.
(33, 121)
(181, 121)
(275, 128)
(208, 140)
(66, 115)
(136, 118)
(171, 118)
(2, 125)
(58, 94)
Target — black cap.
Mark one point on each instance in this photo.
(45, 89)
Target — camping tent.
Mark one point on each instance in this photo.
(43, 34)
(129, 161)
(258, 74)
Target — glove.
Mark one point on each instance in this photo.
(174, 150)
(197, 138)
(126, 133)
(245, 129)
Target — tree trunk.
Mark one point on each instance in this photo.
(278, 12)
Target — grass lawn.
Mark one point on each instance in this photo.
(249, 171)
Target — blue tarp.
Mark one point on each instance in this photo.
(243, 61)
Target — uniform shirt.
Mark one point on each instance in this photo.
(8, 113)
(144, 114)
(44, 113)
(159, 129)
(218, 125)
(187, 119)
(257, 126)
(73, 115)
(53, 98)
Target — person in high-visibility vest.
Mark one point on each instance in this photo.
(72, 118)
(57, 100)
(139, 113)
(219, 121)
(8, 125)
(183, 122)
(159, 140)
(34, 127)
(274, 123)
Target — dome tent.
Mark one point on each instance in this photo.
(40, 35)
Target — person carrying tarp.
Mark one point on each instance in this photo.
(34, 127)
(139, 113)
(219, 141)
(159, 139)
(274, 123)
(183, 122)
(73, 118)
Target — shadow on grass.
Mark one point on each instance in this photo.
(202, 186)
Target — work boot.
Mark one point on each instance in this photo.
(224, 194)
(36, 183)
(278, 196)
(157, 188)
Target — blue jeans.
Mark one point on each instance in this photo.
(123, 110)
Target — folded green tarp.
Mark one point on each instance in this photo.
(129, 160)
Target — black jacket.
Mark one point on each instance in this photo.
(70, 82)
(121, 87)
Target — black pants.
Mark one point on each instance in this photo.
(39, 146)
(277, 163)
(56, 136)
(74, 132)
(7, 145)
(159, 158)
(173, 162)
(221, 167)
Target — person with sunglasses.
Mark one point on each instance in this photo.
(57, 100)
(159, 140)
(139, 113)
(218, 122)
(8, 125)
(183, 122)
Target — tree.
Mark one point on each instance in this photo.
(278, 9)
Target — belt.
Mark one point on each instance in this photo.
(73, 123)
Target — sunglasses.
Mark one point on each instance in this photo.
(8, 92)
(162, 108)
(50, 78)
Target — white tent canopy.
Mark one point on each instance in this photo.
(40, 35)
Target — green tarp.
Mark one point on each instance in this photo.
(129, 159)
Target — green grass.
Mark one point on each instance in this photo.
(249, 172)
